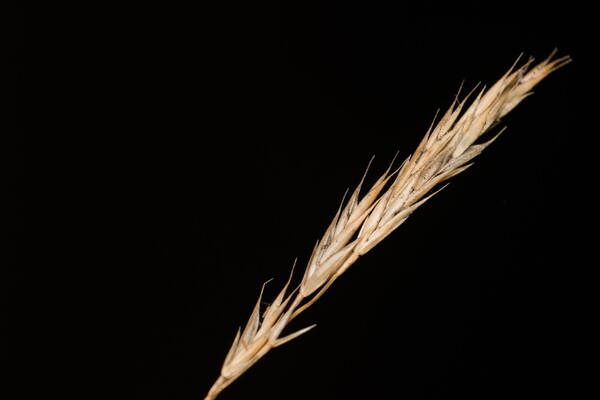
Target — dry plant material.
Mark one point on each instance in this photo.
(363, 222)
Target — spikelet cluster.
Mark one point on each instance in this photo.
(362, 222)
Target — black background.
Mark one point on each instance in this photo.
(226, 141)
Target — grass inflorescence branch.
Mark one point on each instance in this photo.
(361, 222)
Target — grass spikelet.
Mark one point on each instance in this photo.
(360, 224)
